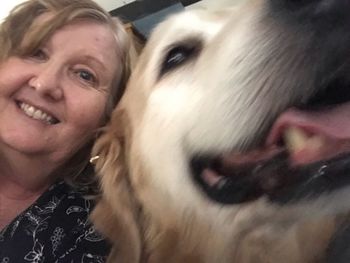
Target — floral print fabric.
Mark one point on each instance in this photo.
(54, 229)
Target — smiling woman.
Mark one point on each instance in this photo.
(63, 67)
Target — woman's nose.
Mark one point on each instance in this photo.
(47, 81)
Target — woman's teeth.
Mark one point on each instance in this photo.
(36, 114)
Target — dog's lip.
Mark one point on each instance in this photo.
(237, 178)
(274, 178)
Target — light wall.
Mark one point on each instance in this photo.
(7, 5)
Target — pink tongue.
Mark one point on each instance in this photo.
(332, 123)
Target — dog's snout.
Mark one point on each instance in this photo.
(314, 10)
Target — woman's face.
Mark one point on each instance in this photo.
(52, 101)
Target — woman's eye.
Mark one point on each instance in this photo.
(87, 76)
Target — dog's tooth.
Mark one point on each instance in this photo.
(316, 142)
(295, 139)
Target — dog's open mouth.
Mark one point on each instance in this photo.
(306, 153)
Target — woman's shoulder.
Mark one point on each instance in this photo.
(56, 226)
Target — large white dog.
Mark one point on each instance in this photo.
(230, 143)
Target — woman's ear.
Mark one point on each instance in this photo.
(115, 215)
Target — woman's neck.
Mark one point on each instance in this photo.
(14, 199)
(22, 180)
(29, 172)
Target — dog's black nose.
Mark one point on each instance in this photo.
(328, 11)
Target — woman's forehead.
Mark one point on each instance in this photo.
(41, 24)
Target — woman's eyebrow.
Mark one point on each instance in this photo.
(94, 61)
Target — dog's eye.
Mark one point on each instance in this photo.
(176, 57)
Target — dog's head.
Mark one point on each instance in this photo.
(227, 107)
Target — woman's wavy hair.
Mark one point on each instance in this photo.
(19, 25)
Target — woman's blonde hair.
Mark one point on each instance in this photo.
(19, 25)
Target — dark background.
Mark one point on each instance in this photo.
(142, 8)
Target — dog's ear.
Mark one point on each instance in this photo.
(115, 215)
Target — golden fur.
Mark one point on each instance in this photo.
(150, 208)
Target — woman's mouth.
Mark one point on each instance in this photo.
(37, 114)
